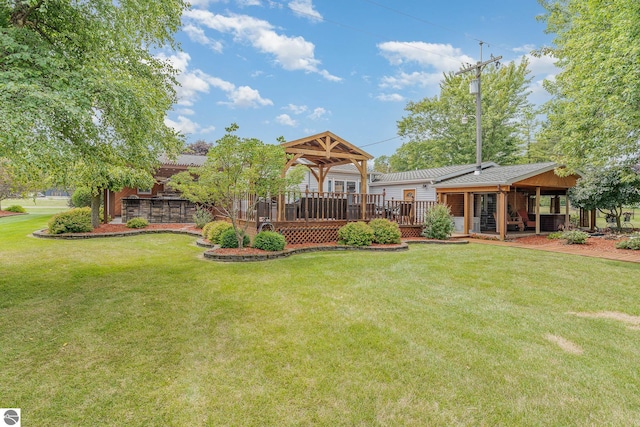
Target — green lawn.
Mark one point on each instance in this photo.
(143, 331)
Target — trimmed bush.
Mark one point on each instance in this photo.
(77, 220)
(81, 198)
(355, 234)
(269, 241)
(16, 209)
(633, 243)
(385, 231)
(205, 230)
(228, 239)
(202, 217)
(216, 229)
(438, 223)
(575, 237)
(137, 223)
(555, 235)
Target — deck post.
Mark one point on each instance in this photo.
(465, 219)
(537, 210)
(502, 214)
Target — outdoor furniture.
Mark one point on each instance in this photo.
(525, 219)
(517, 221)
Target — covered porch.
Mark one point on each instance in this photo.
(506, 200)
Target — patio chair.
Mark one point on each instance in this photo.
(525, 219)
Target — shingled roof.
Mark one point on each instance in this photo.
(432, 175)
(183, 160)
(499, 175)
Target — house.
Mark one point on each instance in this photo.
(339, 188)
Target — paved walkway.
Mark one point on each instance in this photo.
(632, 256)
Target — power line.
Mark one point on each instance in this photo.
(378, 142)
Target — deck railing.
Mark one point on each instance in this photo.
(307, 206)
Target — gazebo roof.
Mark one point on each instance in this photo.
(326, 149)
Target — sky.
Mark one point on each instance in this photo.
(294, 68)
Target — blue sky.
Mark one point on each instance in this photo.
(294, 68)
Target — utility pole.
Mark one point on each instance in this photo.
(475, 87)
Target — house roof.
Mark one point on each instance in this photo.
(499, 175)
(432, 175)
(183, 160)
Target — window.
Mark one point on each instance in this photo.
(339, 186)
(330, 186)
(144, 191)
(351, 186)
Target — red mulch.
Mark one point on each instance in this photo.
(7, 213)
(253, 251)
(595, 244)
(118, 228)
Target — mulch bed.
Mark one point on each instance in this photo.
(119, 228)
(8, 213)
(594, 244)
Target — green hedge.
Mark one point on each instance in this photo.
(228, 239)
(81, 198)
(385, 231)
(137, 223)
(269, 241)
(16, 209)
(438, 223)
(215, 230)
(355, 234)
(77, 220)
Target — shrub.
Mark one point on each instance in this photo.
(81, 198)
(575, 237)
(228, 239)
(633, 243)
(269, 241)
(16, 209)
(216, 229)
(205, 230)
(555, 235)
(355, 234)
(385, 231)
(438, 223)
(202, 217)
(76, 220)
(137, 223)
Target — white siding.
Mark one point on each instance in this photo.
(311, 181)
(396, 191)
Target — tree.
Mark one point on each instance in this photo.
(13, 184)
(594, 115)
(608, 190)
(78, 85)
(438, 138)
(99, 176)
(236, 170)
(198, 148)
(381, 164)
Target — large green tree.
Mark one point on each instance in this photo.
(238, 172)
(594, 115)
(79, 84)
(437, 137)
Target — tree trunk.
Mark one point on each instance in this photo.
(95, 210)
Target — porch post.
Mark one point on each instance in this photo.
(567, 217)
(592, 217)
(537, 210)
(502, 213)
(363, 189)
(465, 221)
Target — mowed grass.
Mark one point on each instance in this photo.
(143, 331)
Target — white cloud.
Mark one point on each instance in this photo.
(318, 113)
(208, 129)
(441, 57)
(285, 119)
(296, 109)
(305, 9)
(417, 78)
(186, 112)
(291, 53)
(392, 97)
(197, 35)
(184, 125)
(194, 82)
(249, 2)
(527, 48)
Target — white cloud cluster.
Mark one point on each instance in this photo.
(197, 35)
(305, 9)
(187, 126)
(197, 81)
(296, 109)
(291, 53)
(441, 57)
(318, 113)
(392, 97)
(285, 119)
